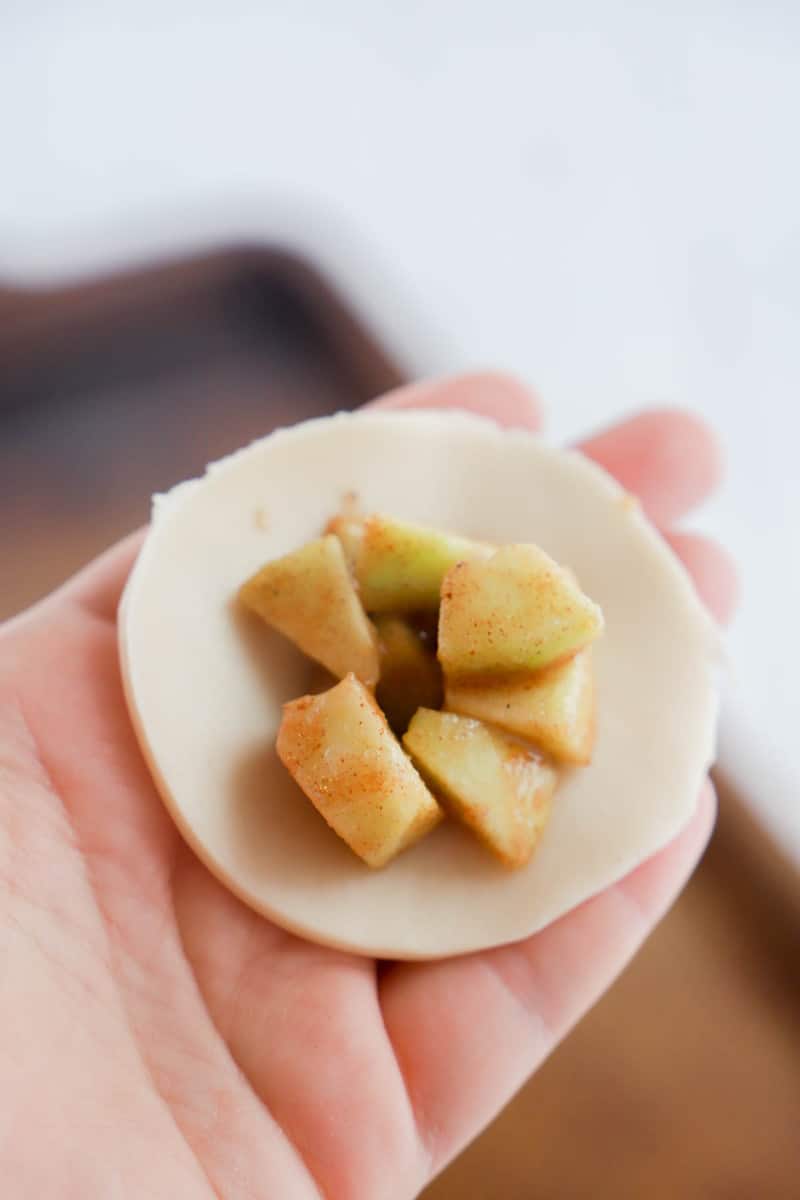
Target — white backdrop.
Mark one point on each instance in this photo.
(610, 208)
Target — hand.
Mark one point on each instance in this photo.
(159, 1039)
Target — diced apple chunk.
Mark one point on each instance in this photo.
(411, 678)
(512, 614)
(310, 597)
(350, 531)
(554, 709)
(341, 751)
(501, 789)
(400, 565)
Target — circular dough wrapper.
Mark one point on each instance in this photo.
(205, 682)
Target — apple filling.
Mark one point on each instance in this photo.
(465, 682)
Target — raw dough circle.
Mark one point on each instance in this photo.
(205, 682)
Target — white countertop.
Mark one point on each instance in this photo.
(612, 212)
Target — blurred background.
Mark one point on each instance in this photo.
(216, 219)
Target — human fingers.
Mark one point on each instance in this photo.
(488, 393)
(669, 459)
(712, 570)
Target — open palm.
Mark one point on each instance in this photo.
(159, 1039)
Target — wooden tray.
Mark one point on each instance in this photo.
(684, 1082)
